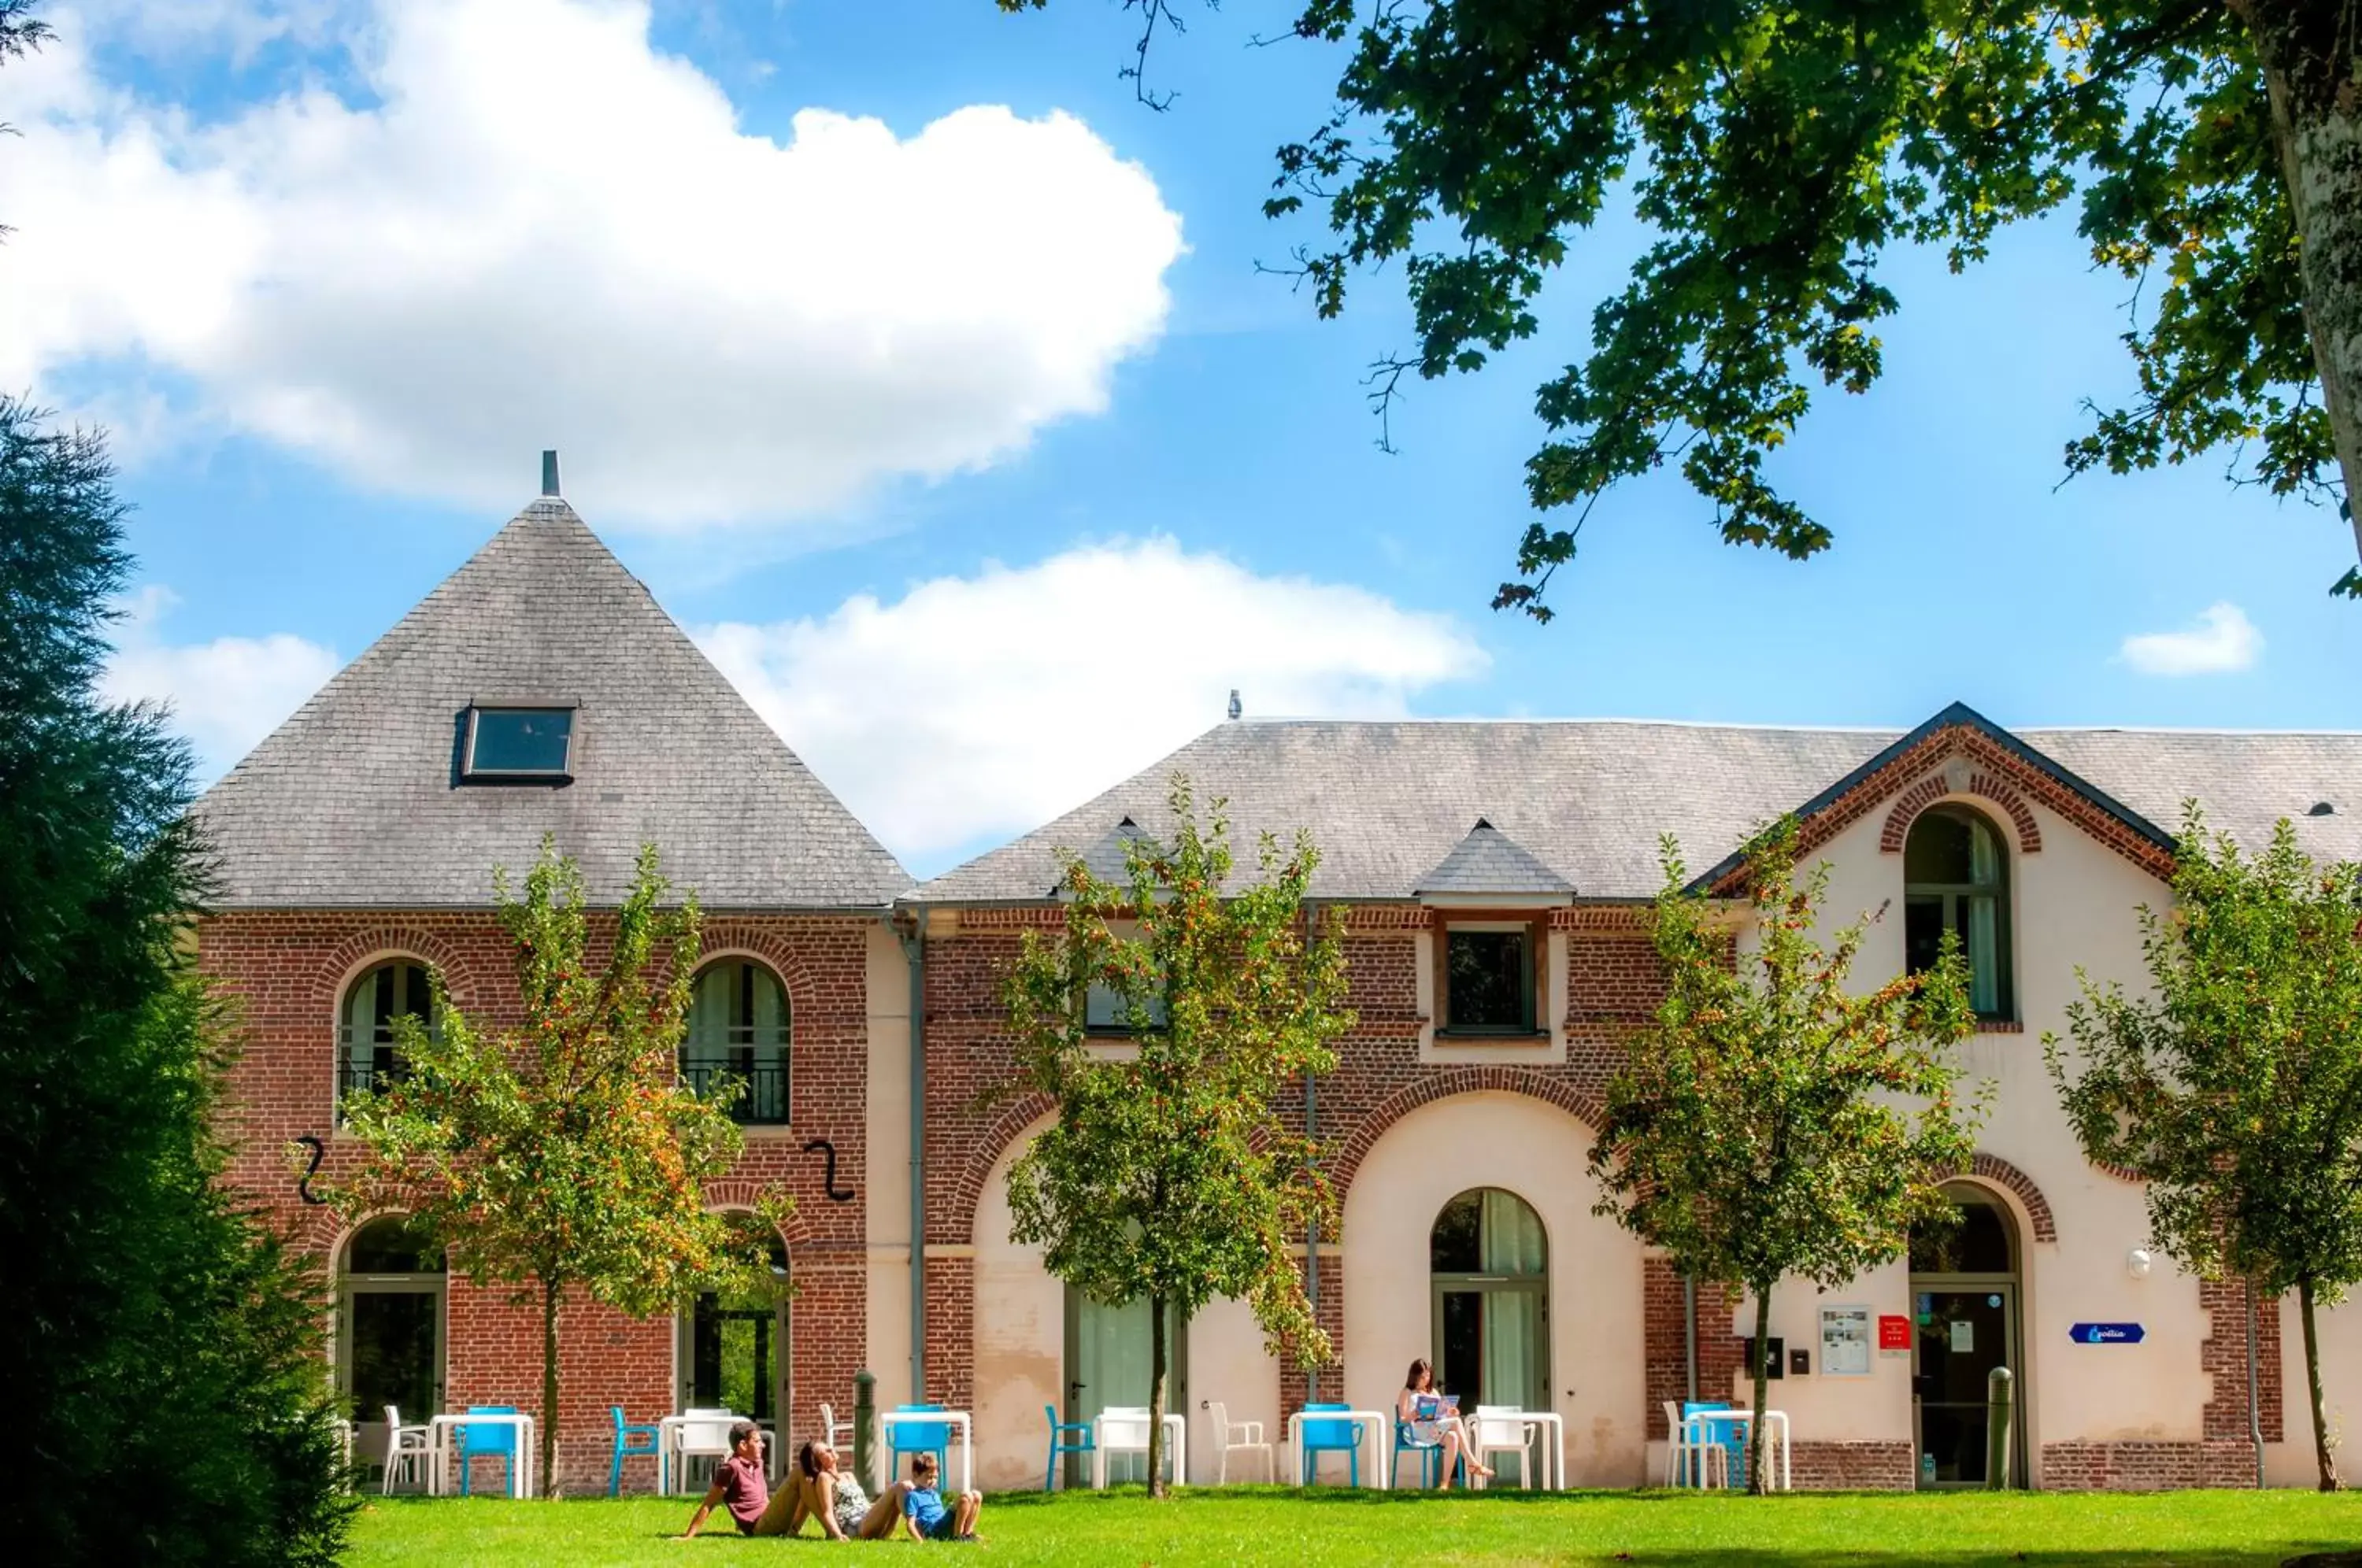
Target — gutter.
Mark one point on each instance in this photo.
(1312, 1231)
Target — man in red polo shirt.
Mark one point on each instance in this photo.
(738, 1485)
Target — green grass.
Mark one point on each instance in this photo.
(1373, 1530)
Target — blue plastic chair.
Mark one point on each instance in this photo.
(1331, 1437)
(1430, 1456)
(490, 1439)
(630, 1442)
(1732, 1435)
(1059, 1444)
(922, 1437)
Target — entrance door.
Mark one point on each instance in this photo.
(389, 1333)
(1489, 1295)
(1964, 1295)
(734, 1355)
(1108, 1363)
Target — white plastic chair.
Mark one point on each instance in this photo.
(1499, 1429)
(703, 1434)
(406, 1447)
(1688, 1441)
(1242, 1437)
(1124, 1428)
(834, 1432)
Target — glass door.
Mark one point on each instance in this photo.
(1963, 1335)
(1489, 1284)
(388, 1332)
(1108, 1363)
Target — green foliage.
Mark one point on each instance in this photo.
(565, 1154)
(163, 1377)
(2233, 1086)
(1778, 153)
(1773, 1122)
(1168, 1175)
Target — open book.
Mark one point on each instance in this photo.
(1434, 1406)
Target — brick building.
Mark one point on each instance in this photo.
(1494, 873)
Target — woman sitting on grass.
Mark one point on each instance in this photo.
(835, 1498)
(1425, 1424)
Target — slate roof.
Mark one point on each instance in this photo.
(351, 803)
(1385, 802)
(1490, 861)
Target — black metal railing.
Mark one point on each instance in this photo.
(364, 1077)
(762, 1099)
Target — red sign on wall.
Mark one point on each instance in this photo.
(1894, 1332)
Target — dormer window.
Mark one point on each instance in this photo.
(519, 742)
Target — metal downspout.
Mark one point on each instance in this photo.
(1312, 1232)
(914, 948)
(1689, 1332)
(2254, 1413)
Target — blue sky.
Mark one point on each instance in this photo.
(971, 444)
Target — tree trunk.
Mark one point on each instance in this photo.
(1156, 1350)
(1762, 1378)
(2321, 1454)
(549, 1295)
(2317, 130)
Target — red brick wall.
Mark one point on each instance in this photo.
(2224, 1354)
(2145, 1466)
(287, 971)
(1720, 1353)
(1853, 1467)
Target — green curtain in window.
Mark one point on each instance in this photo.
(1983, 943)
(1510, 1234)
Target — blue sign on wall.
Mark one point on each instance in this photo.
(2107, 1334)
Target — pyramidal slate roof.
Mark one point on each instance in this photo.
(353, 803)
(1389, 802)
(1490, 861)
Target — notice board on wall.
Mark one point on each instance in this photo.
(1845, 1341)
(1893, 1334)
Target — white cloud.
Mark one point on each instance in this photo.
(226, 694)
(990, 704)
(2222, 641)
(530, 228)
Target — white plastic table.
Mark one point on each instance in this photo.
(672, 1464)
(520, 1465)
(1381, 1426)
(1775, 1432)
(889, 1419)
(1176, 1443)
(1549, 1435)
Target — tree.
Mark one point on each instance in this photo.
(566, 1155)
(1772, 1123)
(2233, 1088)
(1168, 1175)
(162, 1374)
(1779, 152)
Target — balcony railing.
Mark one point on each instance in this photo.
(762, 1097)
(361, 1078)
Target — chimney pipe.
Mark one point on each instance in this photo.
(549, 472)
(1234, 701)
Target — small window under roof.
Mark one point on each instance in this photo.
(519, 742)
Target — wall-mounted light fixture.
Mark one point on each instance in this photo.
(2137, 1263)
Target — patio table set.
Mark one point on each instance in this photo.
(1708, 1446)
(1538, 1437)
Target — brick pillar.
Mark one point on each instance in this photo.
(828, 1333)
(1330, 1312)
(951, 1330)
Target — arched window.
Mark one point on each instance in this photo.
(1488, 1267)
(738, 1031)
(1956, 878)
(389, 1331)
(366, 1055)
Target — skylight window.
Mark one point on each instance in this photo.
(519, 742)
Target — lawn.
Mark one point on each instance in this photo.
(1259, 1525)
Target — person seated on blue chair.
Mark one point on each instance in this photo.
(928, 1514)
(1421, 1425)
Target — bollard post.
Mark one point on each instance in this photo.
(1998, 1402)
(865, 1428)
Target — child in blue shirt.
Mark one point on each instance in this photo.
(928, 1515)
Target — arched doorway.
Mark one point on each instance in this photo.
(390, 1326)
(1488, 1272)
(1964, 1299)
(733, 1351)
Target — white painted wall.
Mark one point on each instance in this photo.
(1538, 1152)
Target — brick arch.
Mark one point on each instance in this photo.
(736, 939)
(1994, 1171)
(984, 1152)
(344, 963)
(737, 1192)
(1549, 1088)
(1984, 784)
